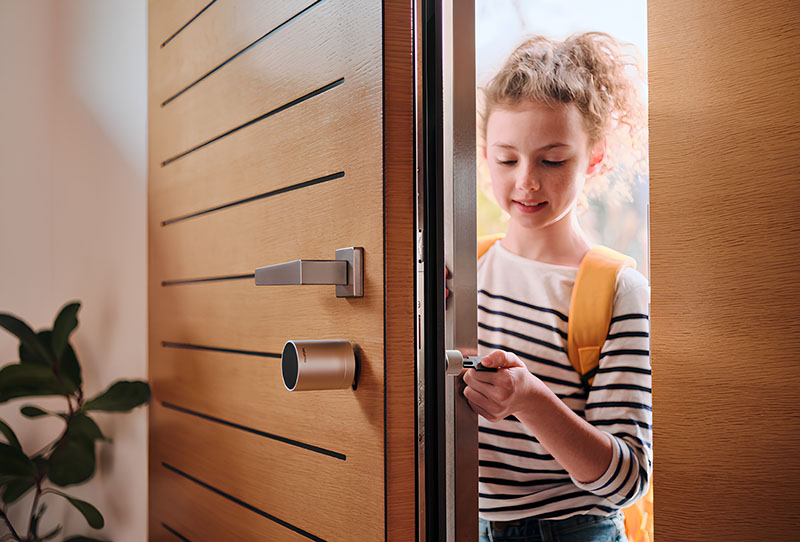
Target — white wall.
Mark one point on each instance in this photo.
(73, 186)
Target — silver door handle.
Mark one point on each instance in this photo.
(346, 272)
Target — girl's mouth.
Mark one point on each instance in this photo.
(530, 208)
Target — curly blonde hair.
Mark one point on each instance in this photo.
(590, 70)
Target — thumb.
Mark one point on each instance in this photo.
(500, 359)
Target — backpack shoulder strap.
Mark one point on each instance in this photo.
(590, 307)
(486, 241)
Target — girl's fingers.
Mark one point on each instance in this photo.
(475, 393)
(498, 359)
(488, 378)
(501, 391)
(474, 381)
(477, 406)
(477, 399)
(478, 410)
(498, 395)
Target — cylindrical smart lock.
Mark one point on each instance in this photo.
(318, 365)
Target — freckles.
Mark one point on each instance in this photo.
(567, 182)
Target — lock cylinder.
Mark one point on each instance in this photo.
(318, 365)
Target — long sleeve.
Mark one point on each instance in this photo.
(523, 307)
(620, 399)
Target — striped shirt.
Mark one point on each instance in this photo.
(522, 308)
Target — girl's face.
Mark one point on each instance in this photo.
(539, 157)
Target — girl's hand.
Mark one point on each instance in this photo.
(498, 395)
(447, 275)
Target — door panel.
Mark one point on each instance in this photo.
(230, 27)
(336, 42)
(255, 224)
(273, 154)
(725, 320)
(207, 515)
(169, 18)
(337, 423)
(226, 439)
(214, 313)
(271, 475)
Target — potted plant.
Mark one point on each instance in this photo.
(48, 366)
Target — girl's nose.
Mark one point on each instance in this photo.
(527, 179)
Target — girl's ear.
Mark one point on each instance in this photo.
(596, 157)
(483, 151)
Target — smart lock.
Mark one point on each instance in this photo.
(319, 365)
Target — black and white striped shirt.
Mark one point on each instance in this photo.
(522, 308)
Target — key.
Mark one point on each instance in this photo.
(474, 362)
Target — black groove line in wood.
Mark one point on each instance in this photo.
(239, 53)
(168, 344)
(285, 440)
(207, 279)
(176, 533)
(190, 21)
(240, 502)
(304, 184)
(275, 111)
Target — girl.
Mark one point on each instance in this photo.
(557, 460)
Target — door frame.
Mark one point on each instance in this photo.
(447, 435)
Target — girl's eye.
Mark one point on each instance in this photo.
(507, 162)
(554, 163)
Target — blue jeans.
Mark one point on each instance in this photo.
(581, 528)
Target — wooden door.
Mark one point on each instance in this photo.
(279, 130)
(724, 215)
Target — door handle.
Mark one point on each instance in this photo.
(346, 272)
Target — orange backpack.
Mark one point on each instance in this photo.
(590, 309)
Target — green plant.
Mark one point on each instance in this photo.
(48, 366)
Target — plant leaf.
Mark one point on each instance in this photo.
(121, 396)
(70, 369)
(27, 380)
(65, 324)
(82, 426)
(30, 411)
(67, 365)
(10, 436)
(72, 462)
(27, 355)
(25, 334)
(92, 514)
(14, 463)
(16, 489)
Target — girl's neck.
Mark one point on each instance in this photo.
(561, 243)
